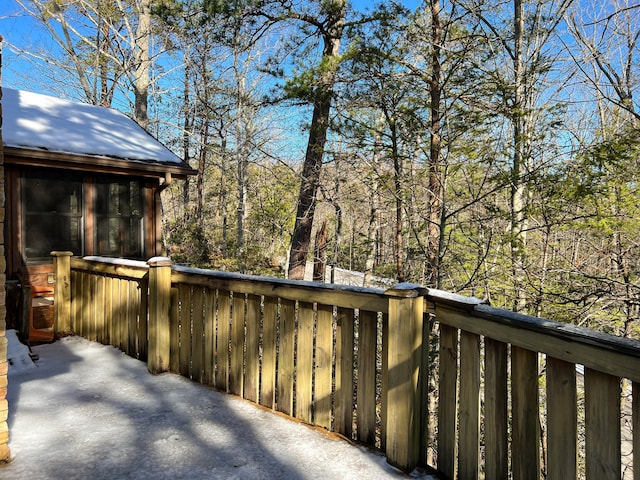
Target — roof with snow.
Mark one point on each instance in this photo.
(39, 123)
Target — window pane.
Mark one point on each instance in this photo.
(52, 215)
(119, 219)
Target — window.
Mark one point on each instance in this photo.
(52, 215)
(119, 218)
(58, 209)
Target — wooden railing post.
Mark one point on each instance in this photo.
(406, 366)
(159, 314)
(62, 292)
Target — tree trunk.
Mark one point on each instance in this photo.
(435, 152)
(398, 173)
(186, 133)
(312, 167)
(520, 138)
(372, 236)
(204, 134)
(308, 190)
(223, 198)
(320, 256)
(242, 162)
(102, 43)
(142, 62)
(202, 163)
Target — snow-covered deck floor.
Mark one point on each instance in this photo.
(90, 412)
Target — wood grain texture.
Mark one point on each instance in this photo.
(222, 343)
(269, 338)
(252, 374)
(562, 420)
(197, 335)
(448, 401)
(286, 356)
(343, 422)
(324, 366)
(184, 292)
(210, 306)
(495, 409)
(238, 318)
(526, 432)
(304, 366)
(468, 459)
(602, 426)
(366, 391)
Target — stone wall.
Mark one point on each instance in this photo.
(4, 365)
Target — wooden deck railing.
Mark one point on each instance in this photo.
(517, 396)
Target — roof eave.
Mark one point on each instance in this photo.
(94, 163)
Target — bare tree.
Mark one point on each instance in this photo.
(610, 46)
(106, 46)
(606, 58)
(525, 52)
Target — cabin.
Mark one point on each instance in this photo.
(78, 178)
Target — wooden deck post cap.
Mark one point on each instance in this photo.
(56, 253)
(159, 262)
(406, 290)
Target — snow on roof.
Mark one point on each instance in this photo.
(35, 121)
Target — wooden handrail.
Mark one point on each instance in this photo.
(599, 351)
(371, 299)
(111, 266)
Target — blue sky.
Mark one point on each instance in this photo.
(21, 31)
(20, 71)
